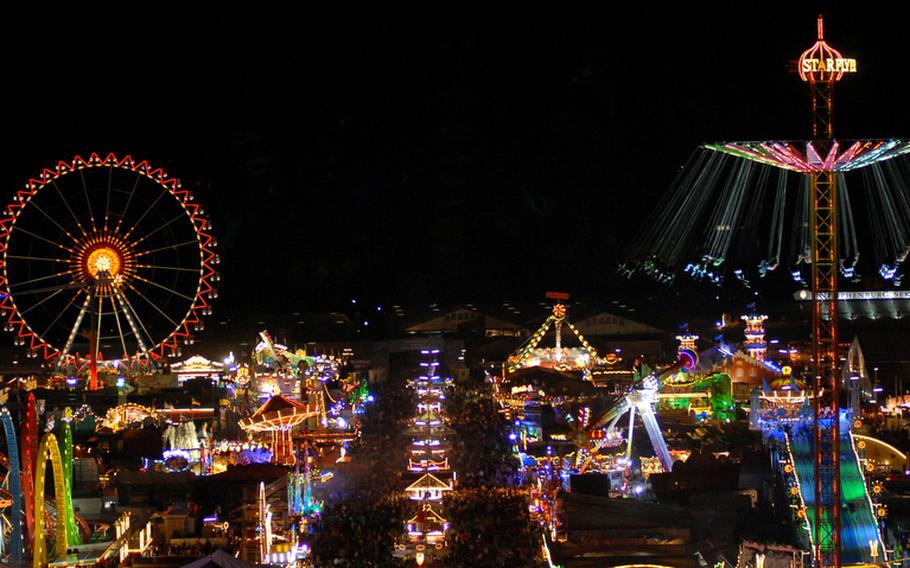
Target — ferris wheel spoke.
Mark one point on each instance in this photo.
(165, 288)
(54, 221)
(154, 305)
(35, 305)
(37, 258)
(74, 330)
(98, 328)
(128, 201)
(119, 327)
(88, 203)
(148, 209)
(179, 216)
(162, 267)
(168, 247)
(132, 318)
(66, 307)
(40, 238)
(68, 208)
(107, 201)
(40, 279)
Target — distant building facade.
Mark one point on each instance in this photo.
(607, 324)
(465, 319)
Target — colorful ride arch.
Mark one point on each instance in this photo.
(49, 449)
(15, 488)
(66, 452)
(29, 449)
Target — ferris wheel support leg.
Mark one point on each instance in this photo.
(93, 374)
(130, 320)
(95, 335)
(69, 342)
(119, 327)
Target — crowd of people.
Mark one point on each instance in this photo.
(380, 453)
(359, 533)
(365, 513)
(481, 452)
(490, 526)
(487, 511)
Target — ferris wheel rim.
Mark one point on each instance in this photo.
(36, 342)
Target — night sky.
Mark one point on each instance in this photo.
(420, 156)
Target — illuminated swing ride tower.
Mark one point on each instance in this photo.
(723, 189)
(822, 66)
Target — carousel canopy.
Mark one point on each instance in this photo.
(276, 413)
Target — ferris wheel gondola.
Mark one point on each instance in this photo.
(104, 258)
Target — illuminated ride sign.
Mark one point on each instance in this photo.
(821, 62)
(839, 65)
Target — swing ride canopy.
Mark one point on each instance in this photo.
(740, 210)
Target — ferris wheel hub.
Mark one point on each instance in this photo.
(103, 261)
(106, 259)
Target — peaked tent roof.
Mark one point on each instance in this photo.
(429, 514)
(219, 558)
(276, 403)
(428, 416)
(278, 409)
(427, 482)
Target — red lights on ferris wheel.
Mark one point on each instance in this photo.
(106, 248)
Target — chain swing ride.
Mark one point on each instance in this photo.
(725, 219)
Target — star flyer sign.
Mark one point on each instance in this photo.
(830, 64)
(823, 63)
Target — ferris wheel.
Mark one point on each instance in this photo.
(105, 258)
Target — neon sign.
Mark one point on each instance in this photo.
(830, 65)
(822, 63)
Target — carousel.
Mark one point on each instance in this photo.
(277, 417)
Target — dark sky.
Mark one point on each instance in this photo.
(434, 155)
